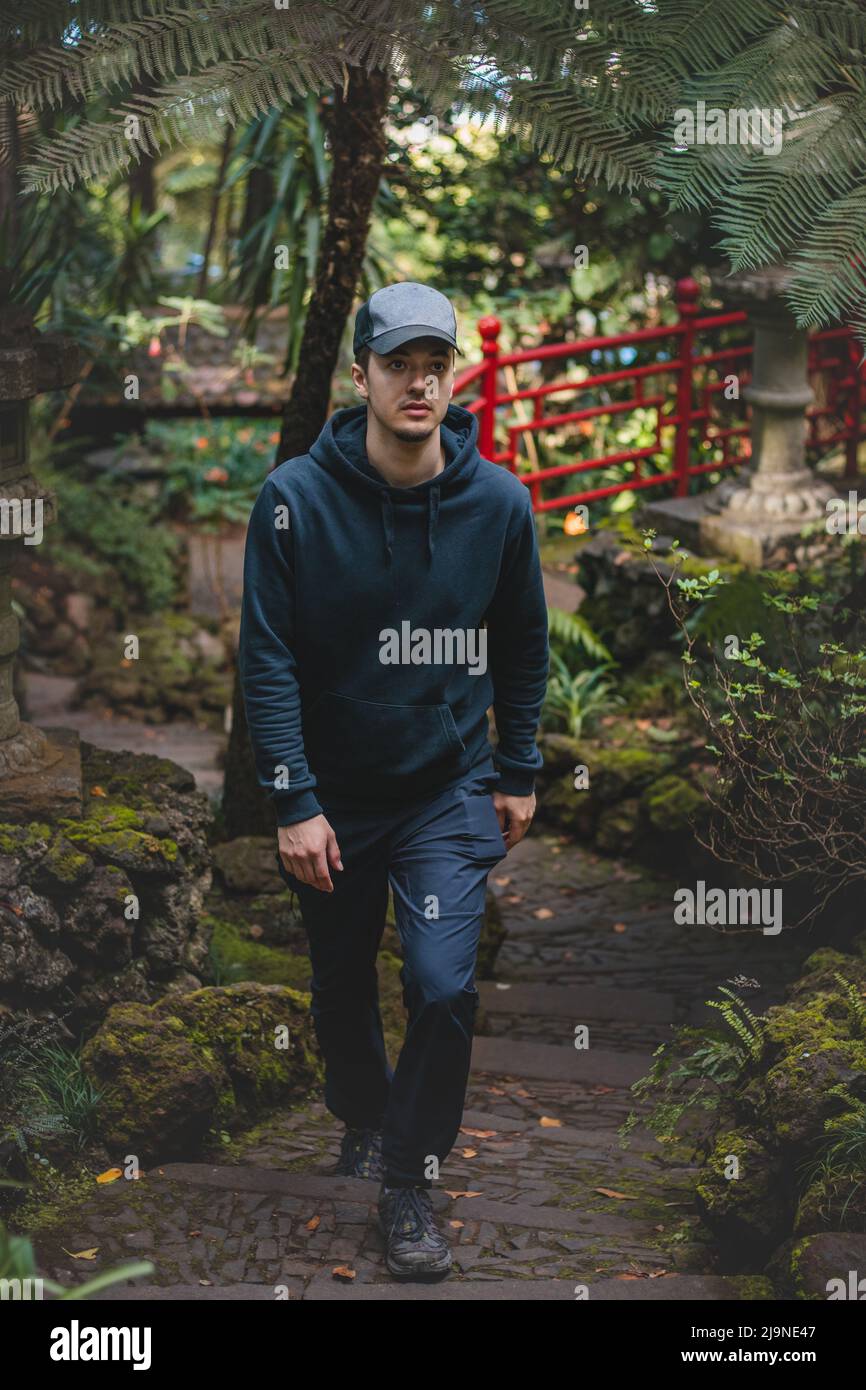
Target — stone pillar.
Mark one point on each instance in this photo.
(770, 502)
(40, 770)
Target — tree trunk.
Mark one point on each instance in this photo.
(357, 139)
(214, 213)
(9, 209)
(357, 145)
(141, 184)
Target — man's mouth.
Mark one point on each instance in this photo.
(417, 408)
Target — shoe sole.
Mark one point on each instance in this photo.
(419, 1275)
(401, 1272)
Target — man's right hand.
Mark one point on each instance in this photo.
(308, 849)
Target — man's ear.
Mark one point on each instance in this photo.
(360, 381)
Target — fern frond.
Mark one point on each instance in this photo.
(574, 630)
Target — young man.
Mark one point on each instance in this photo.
(392, 594)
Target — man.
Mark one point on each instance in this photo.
(392, 594)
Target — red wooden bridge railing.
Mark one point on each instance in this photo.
(695, 431)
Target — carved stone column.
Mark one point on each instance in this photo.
(777, 494)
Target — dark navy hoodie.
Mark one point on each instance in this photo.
(337, 563)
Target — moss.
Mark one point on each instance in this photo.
(14, 839)
(671, 803)
(752, 1287)
(66, 864)
(52, 1197)
(237, 958)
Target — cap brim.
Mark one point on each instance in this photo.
(396, 337)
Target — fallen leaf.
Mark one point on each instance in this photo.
(81, 1254)
(525, 1094)
(478, 1133)
(206, 1283)
(620, 927)
(503, 881)
(256, 931)
(542, 913)
(343, 1272)
(495, 1090)
(611, 1192)
(463, 1194)
(191, 1234)
(110, 1175)
(100, 791)
(469, 1153)
(548, 1122)
(313, 1223)
(457, 1225)
(513, 898)
(628, 1276)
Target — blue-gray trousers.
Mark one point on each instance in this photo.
(436, 854)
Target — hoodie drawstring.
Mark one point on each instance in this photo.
(432, 521)
(432, 518)
(388, 523)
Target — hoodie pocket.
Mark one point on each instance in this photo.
(346, 737)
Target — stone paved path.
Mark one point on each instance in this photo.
(589, 942)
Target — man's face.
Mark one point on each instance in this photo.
(409, 390)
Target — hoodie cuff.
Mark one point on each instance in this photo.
(296, 806)
(514, 783)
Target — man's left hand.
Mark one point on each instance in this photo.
(515, 816)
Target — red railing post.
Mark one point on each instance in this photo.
(687, 304)
(853, 412)
(489, 328)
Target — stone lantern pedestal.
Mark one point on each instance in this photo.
(766, 507)
(40, 769)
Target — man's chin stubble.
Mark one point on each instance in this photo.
(412, 437)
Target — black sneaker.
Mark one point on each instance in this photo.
(361, 1155)
(414, 1247)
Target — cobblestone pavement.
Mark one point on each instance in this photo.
(539, 1195)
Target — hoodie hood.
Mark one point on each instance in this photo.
(341, 449)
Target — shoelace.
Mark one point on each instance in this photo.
(413, 1213)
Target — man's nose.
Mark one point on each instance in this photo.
(418, 381)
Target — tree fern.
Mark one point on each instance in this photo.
(596, 91)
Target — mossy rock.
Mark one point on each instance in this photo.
(672, 804)
(235, 957)
(832, 1203)
(616, 773)
(619, 827)
(214, 1057)
(819, 1267)
(819, 971)
(182, 670)
(248, 864)
(748, 1214)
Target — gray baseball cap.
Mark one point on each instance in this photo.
(397, 313)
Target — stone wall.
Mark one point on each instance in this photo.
(105, 907)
